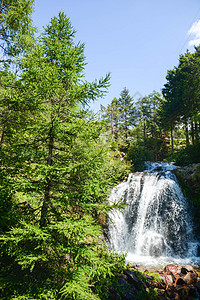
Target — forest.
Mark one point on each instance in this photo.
(59, 160)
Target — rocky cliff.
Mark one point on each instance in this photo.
(189, 180)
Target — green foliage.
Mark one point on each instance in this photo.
(148, 122)
(119, 117)
(138, 154)
(16, 32)
(58, 164)
(187, 155)
(67, 251)
(136, 129)
(56, 170)
(181, 92)
(149, 149)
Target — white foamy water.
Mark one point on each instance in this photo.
(155, 227)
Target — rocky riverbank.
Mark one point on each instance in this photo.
(173, 282)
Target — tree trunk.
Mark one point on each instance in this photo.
(112, 125)
(192, 132)
(187, 134)
(196, 132)
(144, 130)
(45, 206)
(4, 130)
(172, 139)
(156, 149)
(46, 201)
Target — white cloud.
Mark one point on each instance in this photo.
(194, 42)
(195, 32)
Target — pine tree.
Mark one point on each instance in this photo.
(126, 111)
(16, 30)
(61, 177)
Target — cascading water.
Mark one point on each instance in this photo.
(155, 226)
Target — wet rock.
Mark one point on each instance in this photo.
(157, 248)
(132, 278)
(159, 168)
(189, 178)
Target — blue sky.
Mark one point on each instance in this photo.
(136, 40)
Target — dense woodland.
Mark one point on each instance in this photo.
(59, 160)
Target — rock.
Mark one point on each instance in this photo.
(171, 293)
(188, 293)
(190, 277)
(179, 281)
(126, 292)
(179, 275)
(131, 294)
(132, 278)
(197, 285)
(183, 292)
(168, 279)
(187, 269)
(122, 281)
(193, 293)
(175, 270)
(161, 294)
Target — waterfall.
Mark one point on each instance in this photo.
(155, 226)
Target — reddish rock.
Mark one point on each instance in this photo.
(186, 269)
(168, 279)
(175, 270)
(190, 278)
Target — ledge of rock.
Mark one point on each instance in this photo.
(173, 282)
(189, 181)
(189, 178)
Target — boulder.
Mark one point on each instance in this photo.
(132, 278)
(175, 270)
(190, 277)
(169, 280)
(186, 269)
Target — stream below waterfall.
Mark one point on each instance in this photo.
(155, 227)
